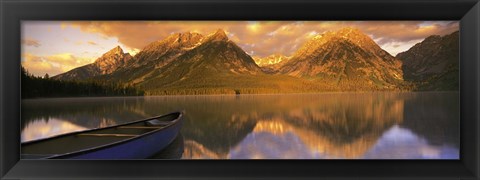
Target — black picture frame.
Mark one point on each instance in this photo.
(12, 12)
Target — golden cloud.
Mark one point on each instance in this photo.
(92, 43)
(268, 37)
(52, 64)
(31, 42)
(404, 31)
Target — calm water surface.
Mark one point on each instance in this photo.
(295, 126)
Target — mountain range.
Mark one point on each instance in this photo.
(345, 56)
(106, 64)
(343, 60)
(433, 64)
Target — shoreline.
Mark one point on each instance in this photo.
(260, 94)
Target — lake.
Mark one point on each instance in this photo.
(378, 125)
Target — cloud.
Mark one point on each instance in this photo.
(397, 47)
(92, 43)
(269, 37)
(31, 42)
(133, 51)
(404, 31)
(138, 34)
(52, 64)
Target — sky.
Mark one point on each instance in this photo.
(55, 47)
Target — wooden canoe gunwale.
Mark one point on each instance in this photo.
(87, 150)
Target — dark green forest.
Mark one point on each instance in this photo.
(39, 87)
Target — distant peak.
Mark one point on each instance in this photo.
(219, 35)
(118, 48)
(350, 33)
(112, 59)
(181, 38)
(354, 35)
(349, 30)
(433, 37)
(115, 50)
(220, 31)
(183, 34)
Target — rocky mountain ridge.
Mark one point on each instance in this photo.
(345, 56)
(109, 62)
(433, 63)
(343, 60)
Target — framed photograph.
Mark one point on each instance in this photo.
(239, 89)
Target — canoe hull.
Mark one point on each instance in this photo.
(140, 148)
(146, 144)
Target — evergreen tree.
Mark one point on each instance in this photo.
(33, 87)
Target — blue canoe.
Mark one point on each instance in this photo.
(135, 140)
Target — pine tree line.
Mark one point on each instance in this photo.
(35, 87)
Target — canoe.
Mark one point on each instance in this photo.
(134, 140)
(173, 151)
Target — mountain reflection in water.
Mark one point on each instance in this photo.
(387, 125)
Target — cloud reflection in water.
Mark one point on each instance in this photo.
(47, 128)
